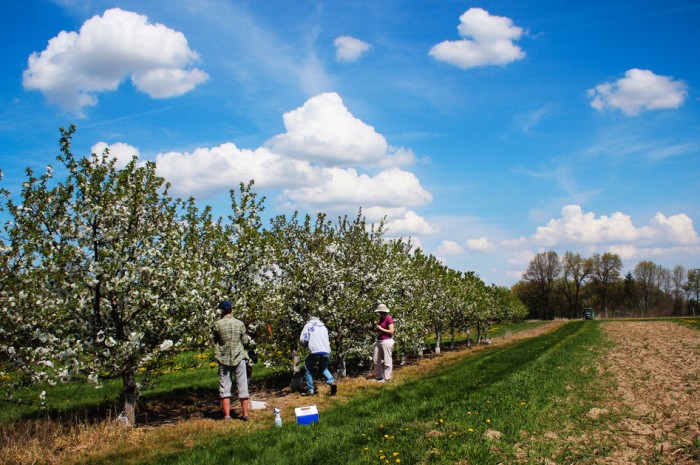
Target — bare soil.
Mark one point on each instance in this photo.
(656, 366)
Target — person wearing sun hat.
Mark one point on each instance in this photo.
(231, 345)
(382, 358)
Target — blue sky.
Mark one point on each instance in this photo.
(486, 131)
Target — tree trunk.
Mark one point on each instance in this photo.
(438, 336)
(342, 371)
(295, 362)
(130, 393)
(297, 383)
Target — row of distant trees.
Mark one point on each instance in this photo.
(562, 286)
(103, 273)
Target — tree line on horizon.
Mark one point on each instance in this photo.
(104, 275)
(556, 286)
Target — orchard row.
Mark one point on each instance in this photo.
(103, 273)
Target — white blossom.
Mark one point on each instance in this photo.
(167, 344)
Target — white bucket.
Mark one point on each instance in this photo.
(258, 405)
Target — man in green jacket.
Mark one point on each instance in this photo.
(231, 347)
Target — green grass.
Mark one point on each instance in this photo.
(689, 322)
(187, 371)
(523, 390)
(498, 330)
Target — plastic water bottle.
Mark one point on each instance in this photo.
(278, 417)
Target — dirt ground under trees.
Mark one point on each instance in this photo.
(656, 366)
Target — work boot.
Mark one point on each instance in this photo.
(334, 389)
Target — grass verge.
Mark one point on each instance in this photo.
(689, 322)
(518, 402)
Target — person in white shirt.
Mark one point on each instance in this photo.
(314, 337)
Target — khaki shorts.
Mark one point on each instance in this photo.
(226, 375)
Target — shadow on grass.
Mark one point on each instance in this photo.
(157, 405)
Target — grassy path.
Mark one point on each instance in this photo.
(499, 406)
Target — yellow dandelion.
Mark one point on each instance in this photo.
(523, 403)
(471, 430)
(395, 454)
(386, 436)
(382, 457)
(398, 460)
(366, 448)
(442, 421)
(488, 420)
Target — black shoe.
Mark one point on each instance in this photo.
(334, 389)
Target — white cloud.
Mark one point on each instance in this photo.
(491, 41)
(667, 238)
(206, 171)
(449, 248)
(676, 229)
(409, 224)
(337, 186)
(481, 244)
(121, 151)
(107, 50)
(303, 181)
(575, 227)
(350, 49)
(626, 252)
(528, 121)
(324, 131)
(376, 213)
(639, 90)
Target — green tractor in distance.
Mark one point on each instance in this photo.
(588, 314)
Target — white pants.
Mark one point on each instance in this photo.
(383, 363)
